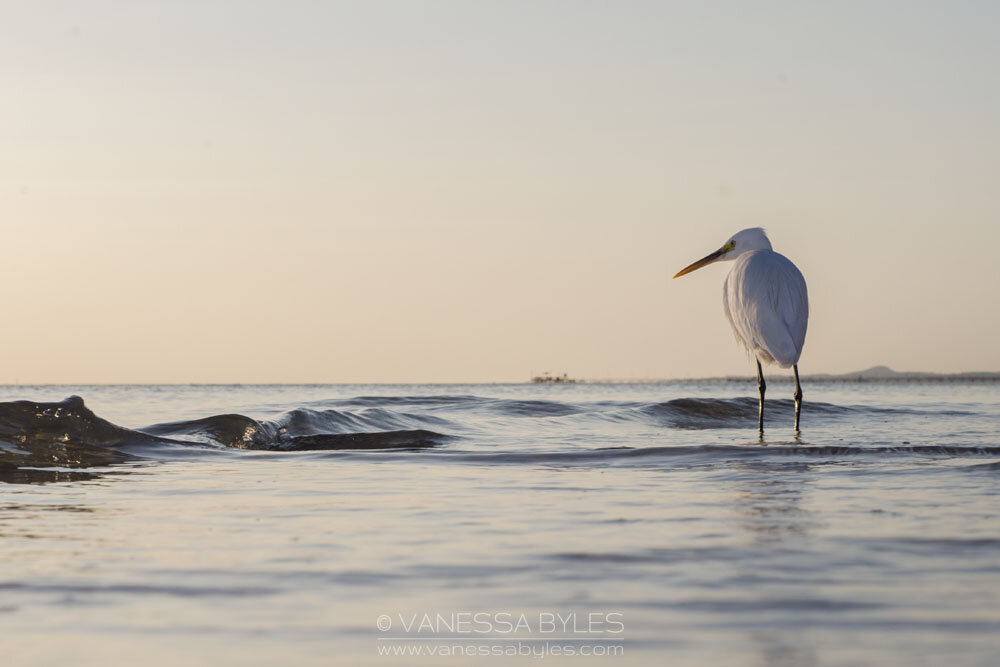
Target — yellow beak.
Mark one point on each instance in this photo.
(704, 261)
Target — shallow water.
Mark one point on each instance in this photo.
(277, 524)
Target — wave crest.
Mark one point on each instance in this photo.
(69, 434)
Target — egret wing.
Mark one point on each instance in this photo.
(766, 302)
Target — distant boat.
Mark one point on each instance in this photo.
(548, 378)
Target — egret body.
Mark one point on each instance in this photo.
(766, 302)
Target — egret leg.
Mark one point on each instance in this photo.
(761, 387)
(798, 397)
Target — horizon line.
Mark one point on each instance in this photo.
(852, 376)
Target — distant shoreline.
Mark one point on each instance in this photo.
(875, 374)
(909, 377)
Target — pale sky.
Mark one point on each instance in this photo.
(234, 191)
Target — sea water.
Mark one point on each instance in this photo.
(456, 524)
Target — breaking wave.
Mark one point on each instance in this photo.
(67, 434)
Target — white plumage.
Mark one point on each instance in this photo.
(766, 302)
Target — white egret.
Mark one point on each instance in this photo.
(765, 300)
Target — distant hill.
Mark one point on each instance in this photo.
(879, 372)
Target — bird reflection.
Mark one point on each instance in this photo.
(769, 500)
(771, 506)
(782, 649)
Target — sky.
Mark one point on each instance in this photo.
(418, 191)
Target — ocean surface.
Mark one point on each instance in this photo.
(455, 524)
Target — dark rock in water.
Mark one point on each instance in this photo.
(66, 433)
(18, 418)
(416, 439)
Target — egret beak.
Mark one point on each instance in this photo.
(704, 261)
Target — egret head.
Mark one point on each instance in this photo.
(743, 241)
